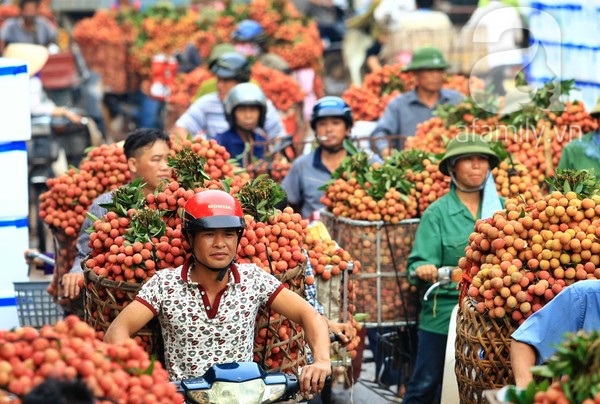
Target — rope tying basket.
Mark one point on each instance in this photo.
(276, 349)
(482, 353)
(105, 299)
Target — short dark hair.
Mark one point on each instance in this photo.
(424, 3)
(23, 2)
(60, 392)
(141, 138)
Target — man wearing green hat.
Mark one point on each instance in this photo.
(440, 241)
(584, 153)
(405, 112)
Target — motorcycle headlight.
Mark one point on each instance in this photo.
(253, 391)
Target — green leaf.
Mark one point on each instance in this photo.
(259, 197)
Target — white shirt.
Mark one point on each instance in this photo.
(39, 101)
(389, 12)
(500, 28)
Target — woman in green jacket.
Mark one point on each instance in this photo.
(441, 239)
(584, 153)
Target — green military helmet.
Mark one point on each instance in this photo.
(466, 144)
(218, 51)
(426, 58)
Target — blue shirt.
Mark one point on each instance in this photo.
(404, 113)
(576, 308)
(303, 181)
(305, 177)
(234, 144)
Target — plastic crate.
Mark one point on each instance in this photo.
(35, 306)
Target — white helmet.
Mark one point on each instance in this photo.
(245, 94)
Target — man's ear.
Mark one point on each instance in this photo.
(132, 165)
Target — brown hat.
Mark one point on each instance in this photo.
(35, 56)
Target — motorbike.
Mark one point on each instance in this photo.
(239, 382)
(242, 382)
(42, 153)
(51, 137)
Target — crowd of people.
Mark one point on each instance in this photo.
(237, 114)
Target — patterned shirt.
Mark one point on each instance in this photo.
(196, 335)
(206, 116)
(310, 291)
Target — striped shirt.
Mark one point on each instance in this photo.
(206, 117)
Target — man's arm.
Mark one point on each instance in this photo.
(128, 322)
(522, 358)
(192, 121)
(292, 306)
(180, 133)
(70, 281)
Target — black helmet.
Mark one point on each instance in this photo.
(249, 31)
(231, 65)
(331, 106)
(245, 94)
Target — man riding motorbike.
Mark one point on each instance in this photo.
(207, 307)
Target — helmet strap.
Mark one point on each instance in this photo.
(467, 190)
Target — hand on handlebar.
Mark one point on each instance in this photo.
(313, 376)
(427, 273)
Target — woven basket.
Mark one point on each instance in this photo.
(482, 353)
(105, 299)
(291, 350)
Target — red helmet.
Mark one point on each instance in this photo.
(213, 209)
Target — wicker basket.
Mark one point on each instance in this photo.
(382, 288)
(291, 350)
(105, 299)
(482, 353)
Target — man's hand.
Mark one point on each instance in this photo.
(312, 377)
(32, 260)
(427, 273)
(344, 332)
(70, 284)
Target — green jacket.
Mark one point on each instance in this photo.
(579, 154)
(441, 239)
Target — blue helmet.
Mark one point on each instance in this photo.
(331, 106)
(249, 31)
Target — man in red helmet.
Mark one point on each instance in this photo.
(207, 307)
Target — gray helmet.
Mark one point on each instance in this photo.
(231, 65)
(245, 94)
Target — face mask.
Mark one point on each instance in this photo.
(248, 49)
